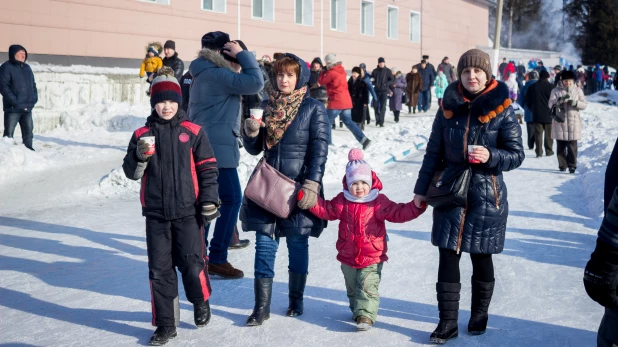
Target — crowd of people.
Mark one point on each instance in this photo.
(188, 152)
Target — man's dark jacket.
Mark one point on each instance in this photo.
(176, 64)
(17, 86)
(537, 99)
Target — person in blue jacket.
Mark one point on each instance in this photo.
(19, 95)
(215, 105)
(533, 77)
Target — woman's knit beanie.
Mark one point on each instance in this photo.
(165, 87)
(474, 58)
(357, 169)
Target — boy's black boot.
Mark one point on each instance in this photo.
(481, 297)
(201, 314)
(162, 335)
(296, 286)
(263, 289)
(448, 304)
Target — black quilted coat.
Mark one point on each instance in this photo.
(481, 226)
(303, 152)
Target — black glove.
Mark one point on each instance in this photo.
(209, 212)
(601, 275)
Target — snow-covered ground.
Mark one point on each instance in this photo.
(73, 265)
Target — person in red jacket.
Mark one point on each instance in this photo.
(334, 78)
(362, 247)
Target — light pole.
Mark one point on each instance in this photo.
(497, 37)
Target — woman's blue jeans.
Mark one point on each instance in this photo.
(346, 117)
(266, 252)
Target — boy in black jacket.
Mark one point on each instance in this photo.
(179, 195)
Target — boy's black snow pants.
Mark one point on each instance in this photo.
(175, 243)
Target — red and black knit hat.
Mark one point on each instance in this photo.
(165, 87)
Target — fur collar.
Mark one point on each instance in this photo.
(492, 101)
(215, 58)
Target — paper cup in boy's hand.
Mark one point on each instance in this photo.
(151, 144)
(256, 113)
(471, 158)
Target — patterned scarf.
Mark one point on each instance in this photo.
(280, 112)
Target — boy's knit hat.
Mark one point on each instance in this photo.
(165, 87)
(153, 50)
(357, 169)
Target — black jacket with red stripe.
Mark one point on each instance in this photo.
(182, 174)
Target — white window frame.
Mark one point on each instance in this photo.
(337, 29)
(157, 2)
(312, 13)
(388, 8)
(373, 19)
(213, 10)
(420, 19)
(262, 18)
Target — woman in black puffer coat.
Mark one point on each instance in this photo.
(478, 229)
(293, 137)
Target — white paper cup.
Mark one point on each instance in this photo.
(151, 143)
(256, 113)
(471, 149)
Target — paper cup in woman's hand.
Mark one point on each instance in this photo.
(471, 158)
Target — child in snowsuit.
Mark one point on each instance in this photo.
(361, 246)
(151, 63)
(179, 195)
(440, 83)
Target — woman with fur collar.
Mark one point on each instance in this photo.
(476, 104)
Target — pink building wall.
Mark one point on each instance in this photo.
(122, 28)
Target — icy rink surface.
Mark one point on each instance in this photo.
(73, 264)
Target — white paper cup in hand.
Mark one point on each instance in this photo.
(471, 149)
(151, 143)
(256, 113)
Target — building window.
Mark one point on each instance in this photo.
(160, 2)
(367, 17)
(415, 27)
(263, 9)
(214, 5)
(393, 23)
(338, 15)
(303, 12)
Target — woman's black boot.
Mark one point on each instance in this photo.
(296, 286)
(263, 289)
(448, 304)
(481, 297)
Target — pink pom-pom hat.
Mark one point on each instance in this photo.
(357, 168)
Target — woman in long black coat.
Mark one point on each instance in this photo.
(475, 103)
(360, 97)
(293, 137)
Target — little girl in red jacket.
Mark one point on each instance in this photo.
(362, 211)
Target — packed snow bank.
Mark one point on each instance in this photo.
(83, 69)
(16, 160)
(609, 97)
(600, 131)
(116, 183)
(109, 115)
